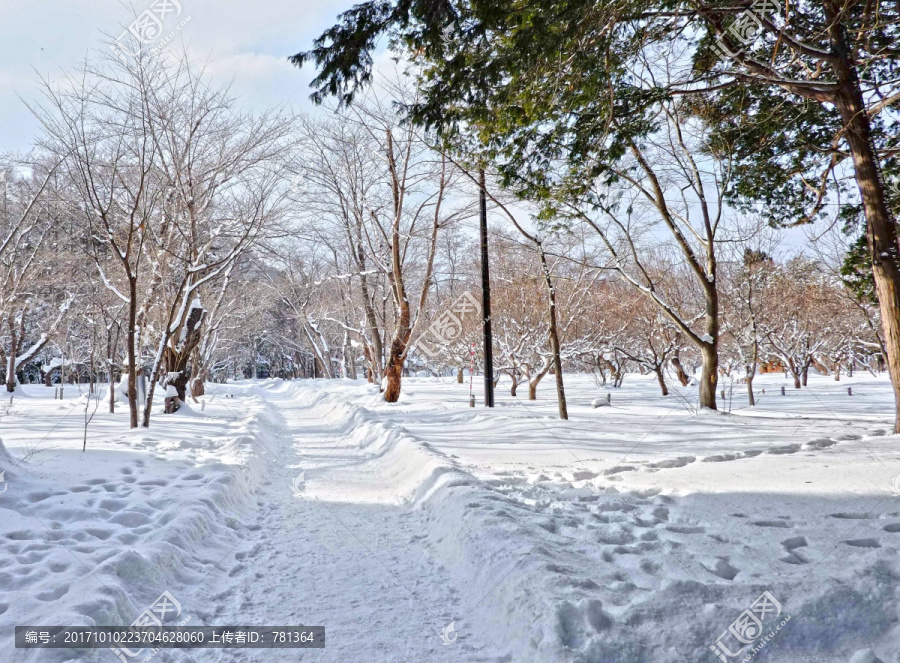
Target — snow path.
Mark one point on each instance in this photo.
(342, 548)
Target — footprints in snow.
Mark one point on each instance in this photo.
(865, 542)
(792, 546)
(108, 512)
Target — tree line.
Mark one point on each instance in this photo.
(160, 235)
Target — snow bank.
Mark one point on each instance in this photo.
(596, 562)
(94, 538)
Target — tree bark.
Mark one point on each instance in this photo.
(709, 375)
(880, 228)
(11, 360)
(554, 336)
(132, 359)
(534, 381)
(198, 376)
(679, 371)
(394, 372)
(662, 380)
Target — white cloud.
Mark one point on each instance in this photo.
(244, 43)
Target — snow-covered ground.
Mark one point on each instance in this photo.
(633, 533)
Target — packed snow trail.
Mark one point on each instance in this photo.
(335, 544)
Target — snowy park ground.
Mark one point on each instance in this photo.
(637, 532)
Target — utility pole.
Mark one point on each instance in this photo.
(486, 300)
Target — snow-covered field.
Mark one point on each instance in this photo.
(631, 533)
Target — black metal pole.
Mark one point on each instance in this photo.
(486, 301)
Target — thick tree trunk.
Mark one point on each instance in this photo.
(393, 373)
(751, 399)
(11, 373)
(881, 231)
(459, 375)
(177, 355)
(198, 377)
(514, 385)
(709, 375)
(397, 357)
(198, 387)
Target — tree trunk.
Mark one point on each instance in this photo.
(534, 381)
(514, 385)
(602, 372)
(795, 373)
(393, 373)
(751, 399)
(112, 388)
(376, 356)
(662, 380)
(176, 356)
(880, 228)
(679, 371)
(613, 371)
(198, 386)
(198, 377)
(11, 373)
(709, 375)
(459, 375)
(554, 337)
(804, 374)
(13, 352)
(132, 359)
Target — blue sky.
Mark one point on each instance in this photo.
(243, 42)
